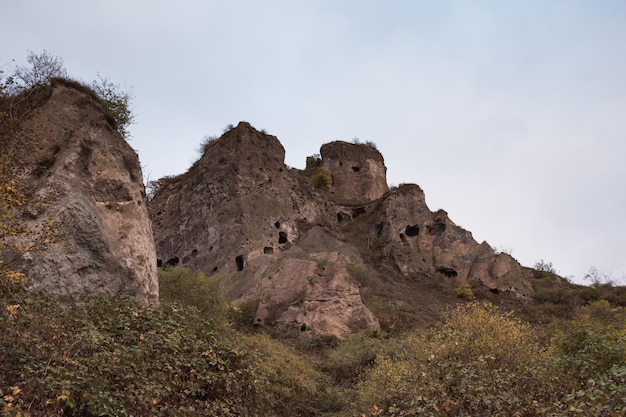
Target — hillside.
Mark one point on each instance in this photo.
(320, 259)
(281, 292)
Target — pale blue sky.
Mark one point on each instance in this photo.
(509, 114)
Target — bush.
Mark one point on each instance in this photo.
(322, 179)
(93, 356)
(117, 104)
(475, 363)
(43, 67)
(484, 362)
(193, 288)
(464, 290)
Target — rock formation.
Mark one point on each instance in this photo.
(240, 212)
(358, 171)
(277, 240)
(417, 240)
(86, 182)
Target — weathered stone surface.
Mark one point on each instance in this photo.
(276, 240)
(308, 288)
(420, 241)
(240, 212)
(358, 171)
(89, 181)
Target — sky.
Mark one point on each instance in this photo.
(511, 115)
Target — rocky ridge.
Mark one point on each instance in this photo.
(307, 257)
(297, 250)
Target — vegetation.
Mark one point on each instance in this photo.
(481, 361)
(92, 356)
(17, 236)
(117, 103)
(322, 179)
(194, 354)
(44, 67)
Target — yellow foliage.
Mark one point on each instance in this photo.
(464, 290)
(478, 330)
(322, 178)
(16, 236)
(473, 336)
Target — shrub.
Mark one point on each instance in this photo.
(464, 290)
(193, 288)
(594, 341)
(543, 266)
(322, 178)
(117, 104)
(43, 67)
(94, 356)
(371, 144)
(475, 363)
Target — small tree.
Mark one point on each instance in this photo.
(117, 103)
(543, 266)
(43, 67)
(322, 178)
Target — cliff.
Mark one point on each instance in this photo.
(308, 255)
(85, 186)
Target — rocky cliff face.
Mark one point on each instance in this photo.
(358, 171)
(241, 213)
(296, 250)
(87, 183)
(417, 240)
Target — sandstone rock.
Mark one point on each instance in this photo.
(241, 213)
(275, 239)
(358, 171)
(88, 183)
(309, 289)
(420, 241)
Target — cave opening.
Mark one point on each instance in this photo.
(448, 272)
(172, 261)
(356, 169)
(412, 231)
(356, 212)
(282, 238)
(342, 217)
(239, 262)
(268, 250)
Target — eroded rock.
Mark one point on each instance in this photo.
(87, 182)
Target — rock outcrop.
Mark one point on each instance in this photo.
(417, 240)
(297, 250)
(86, 182)
(358, 171)
(240, 212)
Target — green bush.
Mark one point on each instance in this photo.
(484, 362)
(96, 356)
(117, 104)
(475, 363)
(322, 179)
(193, 288)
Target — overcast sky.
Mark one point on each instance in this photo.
(511, 115)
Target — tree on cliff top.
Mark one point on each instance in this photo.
(44, 67)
